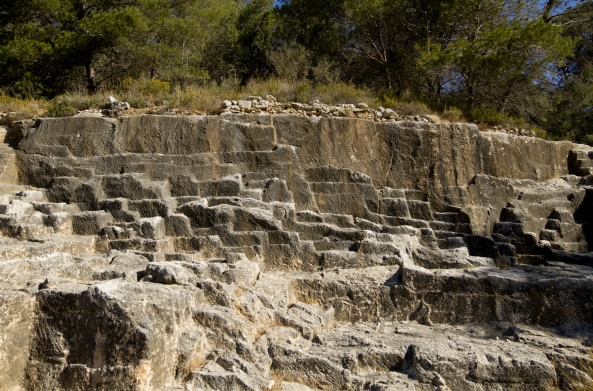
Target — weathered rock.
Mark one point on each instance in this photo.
(251, 251)
(90, 223)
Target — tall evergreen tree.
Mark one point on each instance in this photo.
(573, 114)
(52, 38)
(57, 42)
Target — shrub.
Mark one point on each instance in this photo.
(262, 88)
(492, 117)
(588, 139)
(23, 108)
(404, 106)
(325, 72)
(334, 93)
(69, 104)
(145, 86)
(303, 91)
(453, 114)
(202, 98)
(539, 132)
(145, 92)
(291, 62)
(60, 108)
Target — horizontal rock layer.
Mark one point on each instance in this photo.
(282, 252)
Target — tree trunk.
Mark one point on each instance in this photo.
(470, 92)
(91, 77)
(389, 82)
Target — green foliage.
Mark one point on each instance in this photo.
(490, 117)
(453, 114)
(404, 107)
(60, 109)
(99, 42)
(69, 104)
(280, 89)
(498, 64)
(28, 87)
(491, 61)
(291, 62)
(319, 26)
(206, 98)
(340, 92)
(23, 108)
(203, 98)
(539, 132)
(174, 45)
(486, 118)
(256, 25)
(572, 114)
(305, 91)
(150, 87)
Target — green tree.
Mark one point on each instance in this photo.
(497, 56)
(256, 26)
(180, 32)
(50, 39)
(320, 27)
(60, 43)
(573, 114)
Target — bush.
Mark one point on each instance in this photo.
(138, 102)
(69, 104)
(405, 107)
(335, 93)
(304, 91)
(453, 114)
(145, 86)
(539, 132)
(291, 62)
(204, 98)
(23, 108)
(60, 109)
(489, 117)
(588, 139)
(145, 92)
(276, 87)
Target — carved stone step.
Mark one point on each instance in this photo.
(144, 245)
(571, 247)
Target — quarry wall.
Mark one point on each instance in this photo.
(285, 252)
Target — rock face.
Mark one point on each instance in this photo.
(279, 252)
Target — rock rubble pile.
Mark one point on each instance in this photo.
(269, 104)
(257, 104)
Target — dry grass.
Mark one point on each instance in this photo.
(19, 109)
(453, 114)
(305, 92)
(405, 107)
(157, 96)
(206, 98)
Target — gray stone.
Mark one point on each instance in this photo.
(244, 105)
(90, 223)
(150, 228)
(293, 251)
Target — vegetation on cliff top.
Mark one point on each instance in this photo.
(525, 62)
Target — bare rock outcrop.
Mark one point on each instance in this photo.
(283, 252)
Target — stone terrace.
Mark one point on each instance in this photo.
(281, 252)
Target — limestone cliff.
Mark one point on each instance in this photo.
(252, 252)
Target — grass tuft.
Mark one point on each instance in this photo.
(19, 109)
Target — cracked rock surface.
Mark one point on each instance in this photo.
(285, 252)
